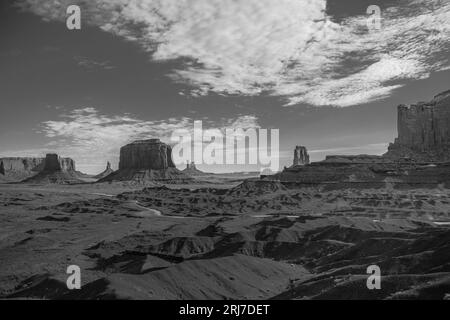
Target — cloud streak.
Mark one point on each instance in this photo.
(286, 48)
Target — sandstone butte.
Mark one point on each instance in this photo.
(301, 156)
(146, 161)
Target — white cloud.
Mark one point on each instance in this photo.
(287, 48)
(92, 138)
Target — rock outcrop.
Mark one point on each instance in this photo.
(419, 157)
(17, 169)
(54, 163)
(146, 161)
(149, 154)
(56, 170)
(359, 175)
(423, 131)
(105, 173)
(301, 156)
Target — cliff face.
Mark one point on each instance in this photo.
(146, 154)
(56, 170)
(301, 156)
(16, 169)
(423, 130)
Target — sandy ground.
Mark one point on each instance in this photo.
(222, 240)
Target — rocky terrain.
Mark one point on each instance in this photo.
(257, 240)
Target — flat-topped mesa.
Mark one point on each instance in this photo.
(149, 154)
(144, 162)
(423, 131)
(15, 169)
(301, 156)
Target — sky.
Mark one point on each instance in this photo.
(138, 69)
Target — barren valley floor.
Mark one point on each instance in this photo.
(250, 240)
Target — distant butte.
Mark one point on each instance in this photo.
(145, 161)
(301, 156)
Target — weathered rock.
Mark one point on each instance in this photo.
(423, 131)
(301, 156)
(149, 154)
(17, 169)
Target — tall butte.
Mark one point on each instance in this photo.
(301, 156)
(145, 161)
(423, 131)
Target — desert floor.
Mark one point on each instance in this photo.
(223, 239)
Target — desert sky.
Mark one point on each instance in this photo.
(143, 68)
